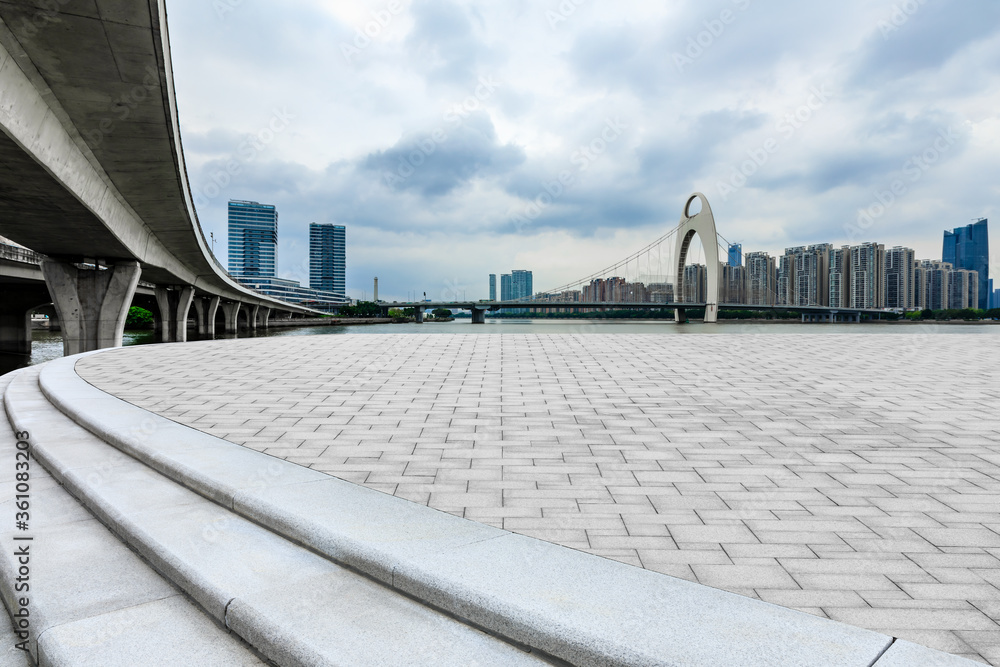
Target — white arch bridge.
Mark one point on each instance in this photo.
(661, 276)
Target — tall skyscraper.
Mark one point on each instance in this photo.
(695, 283)
(919, 285)
(761, 279)
(735, 254)
(506, 290)
(899, 278)
(785, 292)
(840, 277)
(963, 289)
(328, 258)
(969, 248)
(493, 287)
(734, 284)
(253, 239)
(868, 276)
(521, 287)
(936, 283)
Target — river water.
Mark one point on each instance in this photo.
(47, 346)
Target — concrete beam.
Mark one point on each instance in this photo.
(205, 309)
(92, 304)
(174, 306)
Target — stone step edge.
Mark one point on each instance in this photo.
(584, 609)
(59, 644)
(235, 603)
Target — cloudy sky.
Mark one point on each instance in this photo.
(438, 131)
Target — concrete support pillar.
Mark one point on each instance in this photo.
(680, 315)
(15, 319)
(231, 310)
(253, 310)
(263, 316)
(418, 315)
(92, 304)
(174, 305)
(479, 316)
(205, 309)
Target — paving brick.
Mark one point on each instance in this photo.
(847, 489)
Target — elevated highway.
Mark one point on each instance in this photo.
(92, 173)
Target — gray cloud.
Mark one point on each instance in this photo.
(689, 124)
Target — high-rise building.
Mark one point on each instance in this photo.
(868, 276)
(734, 284)
(969, 248)
(506, 291)
(328, 258)
(695, 283)
(937, 283)
(493, 287)
(785, 293)
(919, 285)
(963, 289)
(735, 254)
(520, 281)
(253, 239)
(840, 277)
(660, 292)
(899, 278)
(804, 275)
(996, 299)
(761, 279)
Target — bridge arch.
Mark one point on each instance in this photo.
(702, 224)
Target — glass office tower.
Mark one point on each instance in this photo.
(328, 258)
(735, 254)
(969, 248)
(253, 239)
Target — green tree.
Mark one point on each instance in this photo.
(139, 318)
(441, 313)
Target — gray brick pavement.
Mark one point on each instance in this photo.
(851, 476)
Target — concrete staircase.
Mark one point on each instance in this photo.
(155, 544)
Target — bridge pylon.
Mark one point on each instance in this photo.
(702, 224)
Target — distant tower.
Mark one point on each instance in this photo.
(328, 258)
(735, 254)
(376, 289)
(969, 248)
(253, 239)
(493, 287)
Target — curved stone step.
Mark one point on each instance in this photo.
(291, 604)
(581, 608)
(91, 600)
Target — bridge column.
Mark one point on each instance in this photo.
(418, 315)
(174, 305)
(263, 314)
(252, 320)
(205, 309)
(680, 315)
(479, 316)
(16, 304)
(231, 310)
(92, 304)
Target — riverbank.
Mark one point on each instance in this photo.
(329, 321)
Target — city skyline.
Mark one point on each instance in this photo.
(842, 129)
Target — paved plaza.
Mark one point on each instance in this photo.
(855, 477)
